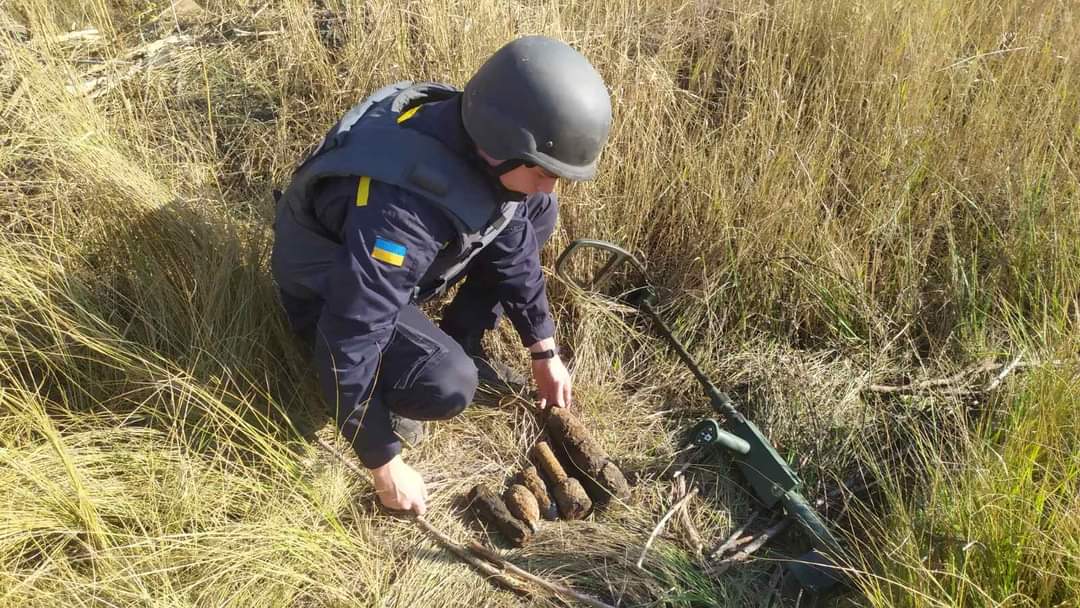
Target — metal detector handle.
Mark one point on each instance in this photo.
(808, 518)
(619, 255)
(708, 432)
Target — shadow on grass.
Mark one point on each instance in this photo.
(168, 319)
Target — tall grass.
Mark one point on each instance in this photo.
(827, 194)
(996, 522)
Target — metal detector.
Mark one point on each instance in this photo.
(770, 477)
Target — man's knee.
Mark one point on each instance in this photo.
(442, 389)
(457, 380)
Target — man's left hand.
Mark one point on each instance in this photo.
(552, 382)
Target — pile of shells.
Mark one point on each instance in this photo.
(545, 490)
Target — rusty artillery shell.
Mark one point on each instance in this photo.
(612, 480)
(531, 479)
(489, 507)
(572, 499)
(603, 477)
(547, 462)
(522, 505)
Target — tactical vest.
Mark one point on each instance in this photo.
(369, 141)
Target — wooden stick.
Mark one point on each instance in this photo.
(492, 573)
(1005, 371)
(90, 34)
(690, 460)
(735, 539)
(555, 588)
(136, 60)
(758, 542)
(953, 385)
(239, 33)
(985, 366)
(496, 575)
(688, 525)
(754, 542)
(663, 522)
(484, 568)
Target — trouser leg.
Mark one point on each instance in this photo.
(425, 374)
(476, 307)
(302, 314)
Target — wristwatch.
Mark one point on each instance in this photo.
(544, 354)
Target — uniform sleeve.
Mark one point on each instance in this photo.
(514, 257)
(390, 239)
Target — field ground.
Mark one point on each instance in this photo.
(830, 196)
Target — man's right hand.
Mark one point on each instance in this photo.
(400, 487)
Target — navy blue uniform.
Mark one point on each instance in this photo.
(375, 351)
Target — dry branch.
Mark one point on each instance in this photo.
(663, 522)
(493, 574)
(696, 544)
(756, 542)
(1005, 371)
(926, 385)
(556, 588)
(484, 568)
(137, 60)
(736, 539)
(961, 383)
(90, 35)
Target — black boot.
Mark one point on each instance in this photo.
(495, 376)
(410, 432)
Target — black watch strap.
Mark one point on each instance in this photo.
(544, 354)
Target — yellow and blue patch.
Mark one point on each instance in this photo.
(389, 252)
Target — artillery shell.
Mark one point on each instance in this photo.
(530, 478)
(570, 433)
(613, 480)
(489, 507)
(603, 477)
(522, 505)
(573, 500)
(547, 462)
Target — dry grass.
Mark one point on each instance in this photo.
(826, 193)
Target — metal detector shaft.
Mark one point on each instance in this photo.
(768, 473)
(720, 401)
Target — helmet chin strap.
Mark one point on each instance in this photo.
(499, 169)
(505, 167)
(494, 167)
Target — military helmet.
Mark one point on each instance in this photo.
(538, 101)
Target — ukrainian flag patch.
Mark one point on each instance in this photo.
(389, 252)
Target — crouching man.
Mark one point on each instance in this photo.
(418, 187)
